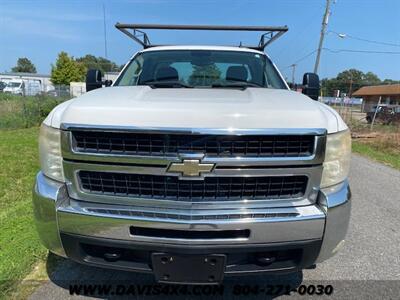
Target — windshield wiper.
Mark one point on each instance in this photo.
(236, 84)
(165, 84)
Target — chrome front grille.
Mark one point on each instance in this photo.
(165, 144)
(252, 168)
(209, 189)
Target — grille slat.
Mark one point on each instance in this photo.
(146, 144)
(209, 189)
(134, 213)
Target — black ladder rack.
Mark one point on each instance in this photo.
(270, 33)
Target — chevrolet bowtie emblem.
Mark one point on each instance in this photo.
(190, 168)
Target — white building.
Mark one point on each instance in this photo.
(43, 79)
(76, 88)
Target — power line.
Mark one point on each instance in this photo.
(282, 49)
(361, 51)
(342, 50)
(345, 35)
(303, 58)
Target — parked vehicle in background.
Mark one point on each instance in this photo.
(385, 114)
(33, 88)
(197, 163)
(2, 85)
(23, 87)
(15, 87)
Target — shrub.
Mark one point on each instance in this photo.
(25, 112)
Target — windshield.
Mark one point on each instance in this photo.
(13, 84)
(201, 68)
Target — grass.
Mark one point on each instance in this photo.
(39, 274)
(387, 157)
(20, 248)
(380, 143)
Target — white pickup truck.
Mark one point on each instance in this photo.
(195, 156)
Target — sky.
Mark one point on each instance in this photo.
(40, 29)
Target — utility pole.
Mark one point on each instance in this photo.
(351, 85)
(293, 72)
(376, 110)
(105, 31)
(321, 38)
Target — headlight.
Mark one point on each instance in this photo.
(337, 158)
(50, 153)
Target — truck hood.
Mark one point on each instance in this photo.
(142, 106)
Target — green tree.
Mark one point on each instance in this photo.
(66, 70)
(371, 79)
(390, 81)
(204, 75)
(100, 63)
(328, 86)
(348, 81)
(24, 65)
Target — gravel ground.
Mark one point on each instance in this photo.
(367, 267)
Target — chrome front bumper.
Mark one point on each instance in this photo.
(57, 214)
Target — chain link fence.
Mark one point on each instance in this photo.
(374, 124)
(350, 109)
(371, 115)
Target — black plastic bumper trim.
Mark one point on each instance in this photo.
(308, 249)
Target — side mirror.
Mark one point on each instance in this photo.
(311, 85)
(93, 80)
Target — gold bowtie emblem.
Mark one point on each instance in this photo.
(190, 168)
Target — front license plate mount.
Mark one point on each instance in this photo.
(188, 269)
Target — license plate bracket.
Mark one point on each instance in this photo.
(188, 269)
